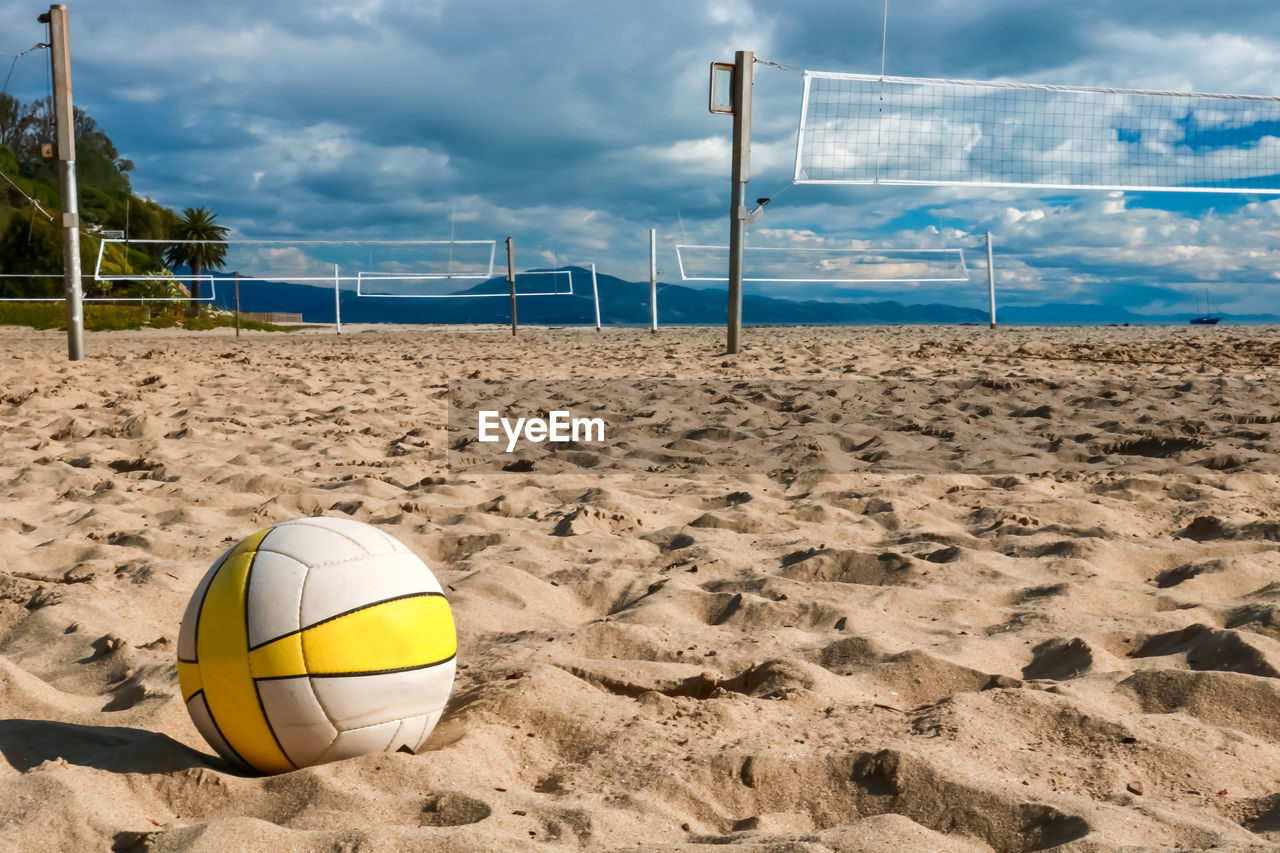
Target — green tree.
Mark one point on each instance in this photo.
(31, 245)
(158, 285)
(204, 246)
(10, 121)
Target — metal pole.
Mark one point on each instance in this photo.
(653, 281)
(237, 275)
(595, 294)
(64, 120)
(743, 68)
(511, 279)
(337, 303)
(991, 281)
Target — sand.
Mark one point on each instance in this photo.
(1039, 610)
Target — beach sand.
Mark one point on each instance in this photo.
(1041, 611)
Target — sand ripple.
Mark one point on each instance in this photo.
(1041, 611)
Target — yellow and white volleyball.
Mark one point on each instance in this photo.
(315, 640)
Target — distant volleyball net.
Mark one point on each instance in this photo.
(814, 264)
(413, 263)
(865, 129)
(137, 270)
(527, 283)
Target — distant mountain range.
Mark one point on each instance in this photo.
(626, 303)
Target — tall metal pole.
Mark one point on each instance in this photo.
(64, 121)
(653, 281)
(511, 279)
(595, 294)
(237, 275)
(337, 302)
(991, 281)
(743, 68)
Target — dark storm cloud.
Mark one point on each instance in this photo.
(997, 39)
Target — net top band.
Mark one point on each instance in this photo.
(1042, 87)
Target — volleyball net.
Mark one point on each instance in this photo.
(864, 129)
(312, 261)
(823, 264)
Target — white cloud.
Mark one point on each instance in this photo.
(139, 94)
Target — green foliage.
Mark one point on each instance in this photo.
(8, 162)
(10, 121)
(53, 315)
(222, 321)
(113, 318)
(110, 318)
(160, 285)
(203, 247)
(32, 245)
(141, 219)
(28, 242)
(37, 315)
(22, 175)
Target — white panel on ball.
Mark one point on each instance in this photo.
(413, 731)
(373, 540)
(338, 587)
(274, 597)
(361, 741)
(199, 710)
(312, 542)
(300, 723)
(387, 696)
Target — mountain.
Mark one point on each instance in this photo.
(622, 303)
(626, 303)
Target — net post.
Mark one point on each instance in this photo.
(595, 295)
(991, 281)
(237, 275)
(511, 280)
(653, 281)
(337, 302)
(60, 60)
(743, 68)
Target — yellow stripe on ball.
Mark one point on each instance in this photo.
(189, 680)
(402, 633)
(221, 641)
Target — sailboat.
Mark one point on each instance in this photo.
(1206, 318)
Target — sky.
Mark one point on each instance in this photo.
(576, 126)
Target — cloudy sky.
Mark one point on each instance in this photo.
(576, 126)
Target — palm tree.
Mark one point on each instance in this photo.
(203, 247)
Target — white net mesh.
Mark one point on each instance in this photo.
(530, 283)
(37, 287)
(812, 264)
(863, 129)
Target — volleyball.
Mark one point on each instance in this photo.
(315, 640)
